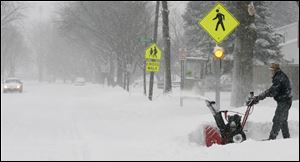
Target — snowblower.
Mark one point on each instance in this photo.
(233, 131)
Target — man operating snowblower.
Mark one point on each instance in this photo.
(281, 92)
(233, 131)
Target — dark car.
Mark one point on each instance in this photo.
(12, 85)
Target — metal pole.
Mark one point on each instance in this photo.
(182, 74)
(218, 74)
(144, 76)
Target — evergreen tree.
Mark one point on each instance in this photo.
(198, 41)
(267, 44)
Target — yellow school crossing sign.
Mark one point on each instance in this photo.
(153, 57)
(219, 23)
(153, 52)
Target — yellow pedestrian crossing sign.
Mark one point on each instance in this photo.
(219, 23)
(153, 52)
(152, 66)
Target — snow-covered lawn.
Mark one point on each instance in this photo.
(93, 122)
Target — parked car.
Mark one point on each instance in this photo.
(79, 81)
(12, 84)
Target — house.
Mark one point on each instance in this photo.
(290, 42)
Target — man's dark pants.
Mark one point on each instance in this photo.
(280, 119)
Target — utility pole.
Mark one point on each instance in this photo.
(154, 41)
(144, 75)
(144, 63)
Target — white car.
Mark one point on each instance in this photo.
(79, 81)
(12, 84)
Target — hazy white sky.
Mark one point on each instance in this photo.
(40, 10)
(43, 10)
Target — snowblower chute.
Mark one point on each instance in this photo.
(232, 132)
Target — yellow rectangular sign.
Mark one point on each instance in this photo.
(152, 66)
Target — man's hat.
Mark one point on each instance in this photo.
(274, 66)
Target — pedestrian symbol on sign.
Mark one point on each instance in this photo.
(220, 17)
(153, 52)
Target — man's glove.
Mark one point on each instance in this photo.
(253, 101)
(256, 99)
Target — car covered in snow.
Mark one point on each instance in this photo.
(12, 85)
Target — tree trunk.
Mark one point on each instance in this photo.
(167, 44)
(41, 71)
(11, 69)
(119, 70)
(243, 55)
(127, 73)
(110, 76)
(127, 81)
(4, 58)
(124, 74)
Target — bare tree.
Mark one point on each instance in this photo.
(10, 11)
(11, 39)
(167, 45)
(12, 50)
(111, 30)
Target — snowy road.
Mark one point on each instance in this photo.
(67, 122)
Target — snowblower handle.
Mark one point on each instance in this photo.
(250, 102)
(210, 103)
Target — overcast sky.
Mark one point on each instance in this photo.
(40, 10)
(43, 10)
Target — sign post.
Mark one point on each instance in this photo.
(146, 41)
(182, 57)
